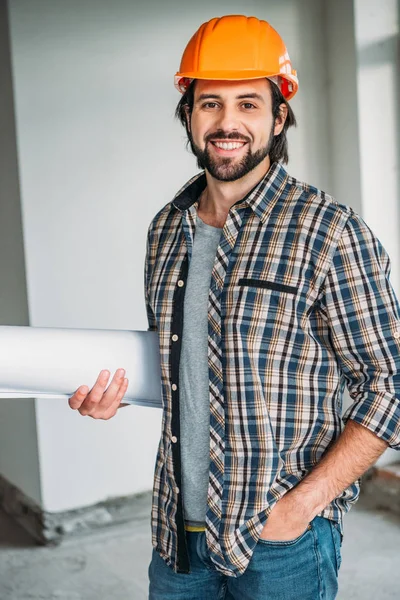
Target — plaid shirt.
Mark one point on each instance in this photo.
(300, 305)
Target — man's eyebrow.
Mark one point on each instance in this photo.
(240, 97)
(252, 95)
(207, 96)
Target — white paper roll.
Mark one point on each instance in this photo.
(47, 362)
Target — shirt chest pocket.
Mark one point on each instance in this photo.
(260, 310)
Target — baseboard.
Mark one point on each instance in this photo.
(381, 489)
(48, 528)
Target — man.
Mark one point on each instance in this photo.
(268, 296)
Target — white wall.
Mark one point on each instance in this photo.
(377, 35)
(18, 436)
(341, 84)
(99, 154)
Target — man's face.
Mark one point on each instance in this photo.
(232, 127)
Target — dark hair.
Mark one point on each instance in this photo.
(279, 148)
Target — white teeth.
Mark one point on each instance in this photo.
(229, 145)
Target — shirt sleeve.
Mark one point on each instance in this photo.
(363, 318)
(150, 314)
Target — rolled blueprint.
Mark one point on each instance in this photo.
(47, 362)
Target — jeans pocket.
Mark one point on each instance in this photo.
(285, 542)
(337, 527)
(337, 542)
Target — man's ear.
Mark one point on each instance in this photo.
(280, 119)
(187, 115)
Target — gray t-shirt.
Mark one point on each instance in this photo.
(193, 376)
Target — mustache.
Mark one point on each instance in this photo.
(220, 135)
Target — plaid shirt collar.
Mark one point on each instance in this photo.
(260, 198)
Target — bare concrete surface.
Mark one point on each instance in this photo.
(111, 564)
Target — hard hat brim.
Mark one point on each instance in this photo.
(235, 76)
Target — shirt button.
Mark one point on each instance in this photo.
(174, 439)
(396, 334)
(181, 283)
(174, 386)
(177, 490)
(174, 337)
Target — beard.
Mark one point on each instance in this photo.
(226, 168)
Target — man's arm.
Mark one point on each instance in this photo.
(360, 317)
(151, 319)
(362, 314)
(356, 449)
(150, 315)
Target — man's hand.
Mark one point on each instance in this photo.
(355, 450)
(287, 520)
(96, 403)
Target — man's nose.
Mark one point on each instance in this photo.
(228, 120)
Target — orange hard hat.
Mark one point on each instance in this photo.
(236, 47)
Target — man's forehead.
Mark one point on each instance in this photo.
(232, 88)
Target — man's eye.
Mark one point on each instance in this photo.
(207, 104)
(248, 105)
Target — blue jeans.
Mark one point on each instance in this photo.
(305, 568)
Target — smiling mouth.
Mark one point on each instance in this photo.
(228, 147)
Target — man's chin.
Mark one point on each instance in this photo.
(225, 170)
(226, 174)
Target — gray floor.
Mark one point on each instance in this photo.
(112, 564)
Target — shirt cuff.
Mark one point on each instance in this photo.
(380, 414)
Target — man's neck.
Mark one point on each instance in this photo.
(219, 196)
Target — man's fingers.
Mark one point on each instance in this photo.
(100, 403)
(113, 408)
(97, 392)
(109, 398)
(77, 399)
(122, 391)
(92, 400)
